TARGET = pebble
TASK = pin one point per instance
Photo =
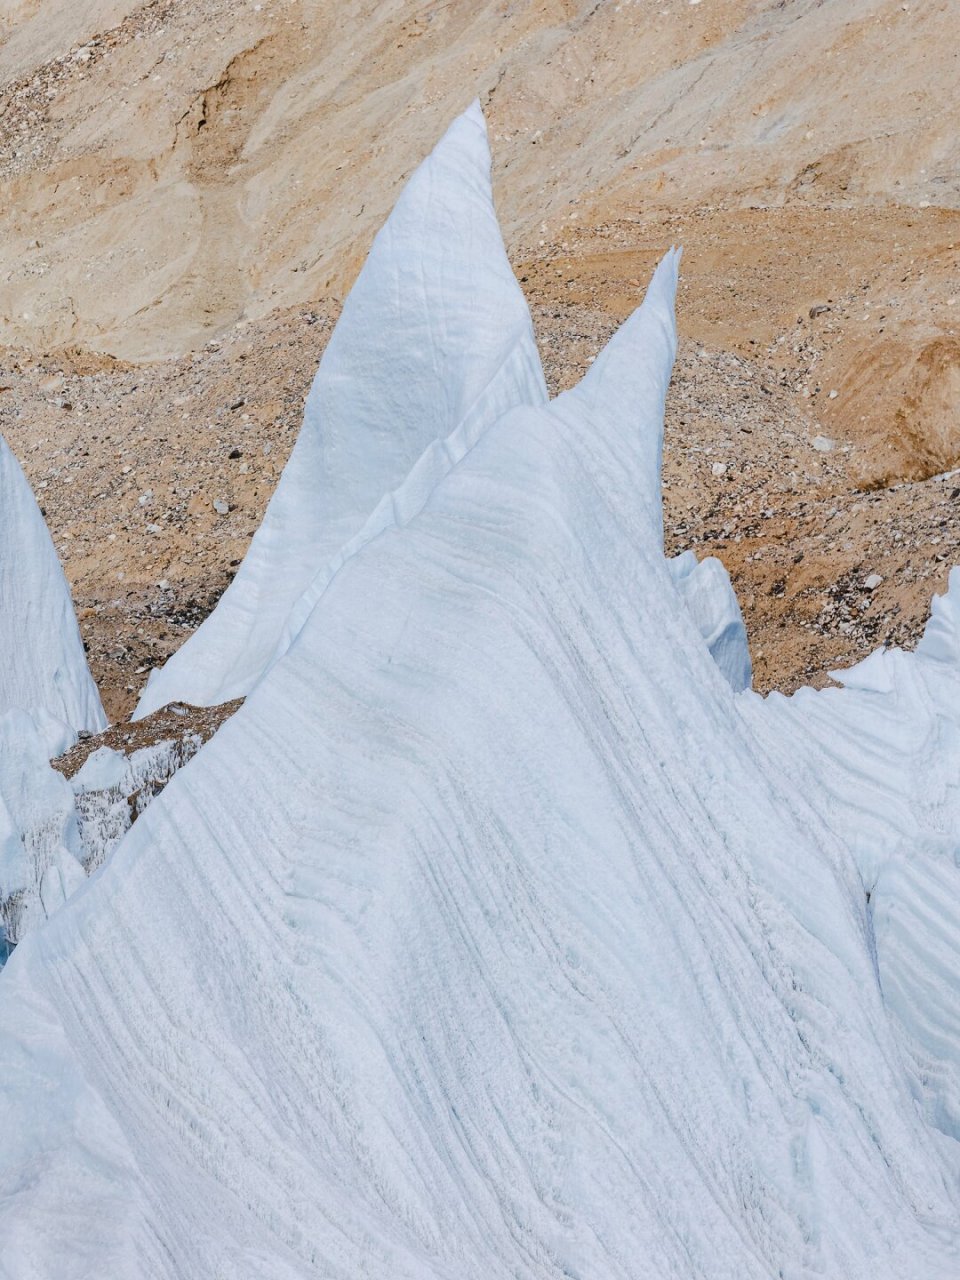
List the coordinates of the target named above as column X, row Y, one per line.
column 823, row 444
column 719, row 469
column 871, row 583
column 221, row 507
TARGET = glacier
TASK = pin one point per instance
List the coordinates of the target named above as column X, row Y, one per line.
column 504, row 930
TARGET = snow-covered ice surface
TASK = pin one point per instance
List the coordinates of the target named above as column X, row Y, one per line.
column 43, row 668
column 497, row 935
column 435, row 341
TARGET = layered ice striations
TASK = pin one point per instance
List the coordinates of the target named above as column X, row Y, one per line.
column 46, row 696
column 708, row 594
column 434, row 343
column 504, row 931
column 882, row 756
column 43, row 668
column 39, row 838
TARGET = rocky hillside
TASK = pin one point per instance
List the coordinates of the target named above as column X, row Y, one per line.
column 187, row 191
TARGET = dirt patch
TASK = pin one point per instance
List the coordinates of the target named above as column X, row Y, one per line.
column 173, row 723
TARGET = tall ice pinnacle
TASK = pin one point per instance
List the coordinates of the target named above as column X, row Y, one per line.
column 43, row 668
column 435, row 335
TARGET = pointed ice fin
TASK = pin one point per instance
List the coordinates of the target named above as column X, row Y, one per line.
column 708, row 594
column 626, row 387
column 43, row 668
column 435, row 337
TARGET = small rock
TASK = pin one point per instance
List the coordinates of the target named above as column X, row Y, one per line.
column 871, row 583
column 163, row 584
column 145, row 498
column 234, row 453
column 238, row 403
column 719, row 469
column 84, row 735
column 823, row 444
column 267, row 448
column 153, row 528
column 818, row 310
column 221, row 507
column 833, row 395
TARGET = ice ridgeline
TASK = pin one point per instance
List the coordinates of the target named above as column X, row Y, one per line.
column 498, row 934
column 53, row 832
column 46, row 696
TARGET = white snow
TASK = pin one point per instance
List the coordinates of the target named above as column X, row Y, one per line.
column 496, row 934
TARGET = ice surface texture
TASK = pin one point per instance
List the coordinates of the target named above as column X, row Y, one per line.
column 43, row 668
column 46, row 695
column 40, row 848
column 435, row 338
column 496, row 935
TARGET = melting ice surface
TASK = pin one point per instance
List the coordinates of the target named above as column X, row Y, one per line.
column 512, row 939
